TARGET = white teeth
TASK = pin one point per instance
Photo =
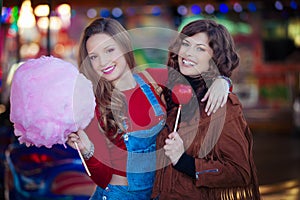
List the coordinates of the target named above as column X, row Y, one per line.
column 107, row 69
column 188, row 62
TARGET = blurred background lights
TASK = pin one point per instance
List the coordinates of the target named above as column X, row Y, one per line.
column 209, row 9
column 237, row 7
column 130, row 11
column 104, row 12
column 29, row 50
column 196, row 10
column 117, row 12
column 42, row 10
column 64, row 9
column 182, row 10
column 156, row 11
column 55, row 23
column 91, row 13
column 59, row 49
column 5, row 14
column 64, row 12
column 278, row 5
column 223, row 8
column 293, row 5
column 252, row 7
column 27, row 18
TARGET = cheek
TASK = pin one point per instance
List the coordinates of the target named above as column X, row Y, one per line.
column 94, row 66
column 205, row 63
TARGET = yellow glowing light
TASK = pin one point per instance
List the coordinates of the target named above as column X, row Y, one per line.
column 29, row 50
column 2, row 108
column 42, row 23
column 59, row 49
column 55, row 23
column 64, row 9
column 42, row 10
column 27, row 18
column 297, row 41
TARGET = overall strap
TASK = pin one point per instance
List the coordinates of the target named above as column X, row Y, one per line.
column 149, row 94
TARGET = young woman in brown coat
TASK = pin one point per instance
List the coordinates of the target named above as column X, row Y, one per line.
column 208, row 157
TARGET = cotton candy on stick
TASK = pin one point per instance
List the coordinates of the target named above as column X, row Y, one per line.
column 49, row 100
column 182, row 94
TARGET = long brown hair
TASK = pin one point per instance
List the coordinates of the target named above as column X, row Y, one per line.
column 110, row 100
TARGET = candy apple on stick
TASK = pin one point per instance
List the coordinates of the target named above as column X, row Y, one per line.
column 182, row 94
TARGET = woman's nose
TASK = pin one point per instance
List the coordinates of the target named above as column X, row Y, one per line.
column 189, row 51
column 102, row 61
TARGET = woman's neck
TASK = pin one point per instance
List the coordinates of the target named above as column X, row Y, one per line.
column 126, row 82
column 198, row 84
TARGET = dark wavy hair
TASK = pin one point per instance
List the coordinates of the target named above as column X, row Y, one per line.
column 224, row 59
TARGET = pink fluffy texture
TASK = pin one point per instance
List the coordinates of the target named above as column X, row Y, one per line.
column 49, row 100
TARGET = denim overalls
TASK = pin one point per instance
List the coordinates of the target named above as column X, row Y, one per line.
column 141, row 159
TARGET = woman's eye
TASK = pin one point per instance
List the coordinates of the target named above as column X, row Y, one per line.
column 110, row 50
column 92, row 57
column 184, row 44
column 200, row 49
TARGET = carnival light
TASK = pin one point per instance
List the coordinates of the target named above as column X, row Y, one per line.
column 237, row 7
column 278, row 5
column 209, row 9
column 91, row 13
column 294, row 5
column 27, row 18
column 55, row 23
column 196, row 10
column 64, row 12
column 156, row 11
column 252, row 7
column 223, row 8
column 104, row 12
column 117, row 12
column 42, row 10
column 182, row 10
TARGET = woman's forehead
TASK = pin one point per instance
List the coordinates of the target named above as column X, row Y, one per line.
column 100, row 40
column 199, row 39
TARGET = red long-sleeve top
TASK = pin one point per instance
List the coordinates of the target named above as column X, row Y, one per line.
column 111, row 158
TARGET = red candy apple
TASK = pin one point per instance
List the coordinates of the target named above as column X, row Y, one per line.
column 182, row 93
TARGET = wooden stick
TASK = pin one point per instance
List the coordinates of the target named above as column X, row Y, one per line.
column 82, row 159
column 177, row 118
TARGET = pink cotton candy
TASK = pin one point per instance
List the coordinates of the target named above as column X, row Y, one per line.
column 49, row 100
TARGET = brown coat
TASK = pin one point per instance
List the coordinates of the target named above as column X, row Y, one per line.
column 222, row 147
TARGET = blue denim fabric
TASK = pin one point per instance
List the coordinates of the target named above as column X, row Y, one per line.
column 149, row 94
column 141, row 146
column 141, row 160
column 120, row 192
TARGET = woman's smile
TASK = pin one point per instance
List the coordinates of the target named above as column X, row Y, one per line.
column 109, row 69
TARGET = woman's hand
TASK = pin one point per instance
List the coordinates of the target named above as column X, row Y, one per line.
column 82, row 141
column 217, row 95
column 174, row 147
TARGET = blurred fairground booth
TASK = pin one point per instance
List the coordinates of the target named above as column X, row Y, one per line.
column 267, row 34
